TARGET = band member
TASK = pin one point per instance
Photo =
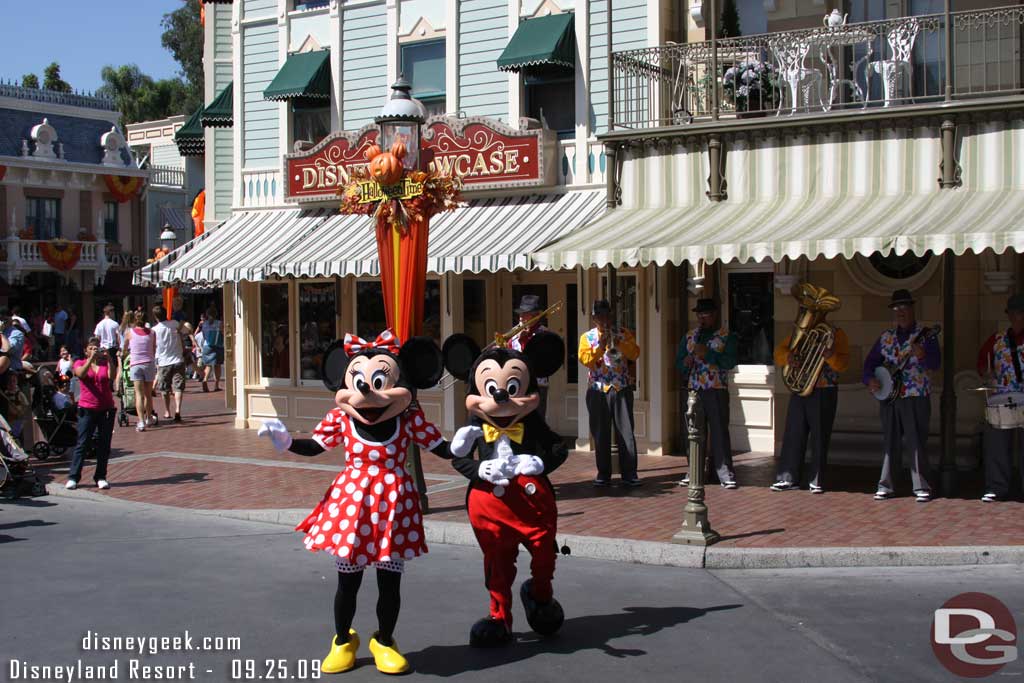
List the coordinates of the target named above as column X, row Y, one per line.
column 608, row 354
column 908, row 415
column 527, row 310
column 811, row 415
column 705, row 355
column 1002, row 357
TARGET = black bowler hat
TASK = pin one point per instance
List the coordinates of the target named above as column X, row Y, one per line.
column 901, row 297
column 1015, row 304
column 528, row 304
column 601, row 307
column 705, row 306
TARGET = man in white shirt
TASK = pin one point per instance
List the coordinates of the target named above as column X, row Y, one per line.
column 170, row 362
column 109, row 333
column 60, row 326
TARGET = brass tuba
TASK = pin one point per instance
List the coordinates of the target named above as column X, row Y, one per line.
column 811, row 337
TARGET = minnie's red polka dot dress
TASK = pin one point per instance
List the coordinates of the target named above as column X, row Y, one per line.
column 371, row 513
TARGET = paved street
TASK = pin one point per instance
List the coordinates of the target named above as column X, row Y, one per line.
column 116, row 569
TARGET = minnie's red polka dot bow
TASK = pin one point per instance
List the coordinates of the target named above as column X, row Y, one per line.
column 385, row 340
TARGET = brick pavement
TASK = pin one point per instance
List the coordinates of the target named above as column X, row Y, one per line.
column 156, row 467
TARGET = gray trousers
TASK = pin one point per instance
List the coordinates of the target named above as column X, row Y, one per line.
column 809, row 418
column 715, row 403
column 605, row 408
column 999, row 460
column 905, row 418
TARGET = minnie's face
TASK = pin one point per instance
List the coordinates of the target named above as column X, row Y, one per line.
column 371, row 393
column 503, row 397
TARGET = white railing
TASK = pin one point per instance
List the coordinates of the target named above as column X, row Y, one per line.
column 25, row 256
column 261, row 187
column 167, row 176
column 580, row 168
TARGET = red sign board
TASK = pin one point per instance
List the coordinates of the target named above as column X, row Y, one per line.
column 485, row 153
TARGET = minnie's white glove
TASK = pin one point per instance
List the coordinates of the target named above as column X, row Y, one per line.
column 493, row 471
column 277, row 432
column 530, row 465
column 462, row 443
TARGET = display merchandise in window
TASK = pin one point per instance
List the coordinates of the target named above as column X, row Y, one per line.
column 317, row 326
column 371, row 318
column 274, row 331
column 752, row 316
column 474, row 311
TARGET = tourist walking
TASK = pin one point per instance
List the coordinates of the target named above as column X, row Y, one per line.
column 141, row 346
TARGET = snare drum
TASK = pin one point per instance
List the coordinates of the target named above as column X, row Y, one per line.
column 1005, row 411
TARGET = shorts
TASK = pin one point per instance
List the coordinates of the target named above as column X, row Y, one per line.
column 142, row 373
column 170, row 378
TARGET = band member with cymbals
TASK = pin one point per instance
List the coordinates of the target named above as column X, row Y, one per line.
column 907, row 416
column 1002, row 358
column 705, row 356
column 811, row 416
column 528, row 311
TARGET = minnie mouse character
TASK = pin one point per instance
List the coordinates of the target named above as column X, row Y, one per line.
column 370, row 515
column 510, row 501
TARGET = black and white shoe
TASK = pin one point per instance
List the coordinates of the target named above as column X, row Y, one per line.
column 730, row 484
column 783, row 486
column 685, row 481
column 923, row 496
column 989, row 498
column 882, row 494
column 816, row 489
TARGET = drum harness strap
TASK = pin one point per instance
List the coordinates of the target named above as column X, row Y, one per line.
column 1012, row 343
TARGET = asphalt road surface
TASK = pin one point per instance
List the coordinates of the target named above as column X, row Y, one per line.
column 79, row 570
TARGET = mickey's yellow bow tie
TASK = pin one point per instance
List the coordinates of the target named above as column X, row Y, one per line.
column 515, row 432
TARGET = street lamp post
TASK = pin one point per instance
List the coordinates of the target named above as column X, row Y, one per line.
column 169, row 241
column 401, row 120
column 696, row 527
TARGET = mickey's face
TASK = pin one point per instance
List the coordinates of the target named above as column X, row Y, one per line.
column 504, row 393
column 371, row 393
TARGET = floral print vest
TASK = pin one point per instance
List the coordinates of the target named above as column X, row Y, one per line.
column 702, row 375
column 915, row 377
column 1002, row 365
column 609, row 375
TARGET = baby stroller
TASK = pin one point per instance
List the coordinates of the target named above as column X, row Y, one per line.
column 126, row 393
column 17, row 477
column 55, row 414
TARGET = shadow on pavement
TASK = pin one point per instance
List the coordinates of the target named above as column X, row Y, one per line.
column 182, row 478
column 591, row 632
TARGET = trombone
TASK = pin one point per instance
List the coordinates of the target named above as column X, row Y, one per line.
column 502, row 339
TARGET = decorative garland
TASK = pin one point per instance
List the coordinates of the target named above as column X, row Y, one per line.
column 394, row 196
column 60, row 254
column 124, row 188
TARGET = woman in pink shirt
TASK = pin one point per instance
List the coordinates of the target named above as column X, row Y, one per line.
column 95, row 412
column 141, row 344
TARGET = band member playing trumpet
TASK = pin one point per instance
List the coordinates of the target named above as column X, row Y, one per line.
column 608, row 352
column 811, row 413
column 528, row 310
column 1001, row 358
column 705, row 355
column 908, row 415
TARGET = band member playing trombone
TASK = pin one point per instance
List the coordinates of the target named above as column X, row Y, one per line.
column 608, row 353
column 1001, row 358
column 705, row 356
column 528, row 311
column 908, row 413
column 812, row 407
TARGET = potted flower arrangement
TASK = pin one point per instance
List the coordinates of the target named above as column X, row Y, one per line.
column 86, row 236
column 752, row 87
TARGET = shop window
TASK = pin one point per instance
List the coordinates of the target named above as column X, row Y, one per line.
column 423, row 64
column 474, row 311
column 432, row 311
column 110, row 228
column 371, row 319
column 751, row 316
column 627, row 285
column 550, row 96
column 274, row 351
column 311, row 120
column 318, row 303
column 42, row 217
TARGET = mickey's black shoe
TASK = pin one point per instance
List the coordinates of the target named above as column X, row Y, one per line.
column 544, row 618
column 489, row 632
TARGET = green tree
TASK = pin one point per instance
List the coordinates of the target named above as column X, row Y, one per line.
column 52, row 79
column 30, row 81
column 138, row 97
column 729, row 24
column 183, row 36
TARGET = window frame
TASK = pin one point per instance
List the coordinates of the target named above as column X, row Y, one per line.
column 38, row 202
column 376, row 280
column 275, row 381
column 554, row 78
column 432, row 98
column 315, row 383
column 108, row 222
column 638, row 335
column 302, row 105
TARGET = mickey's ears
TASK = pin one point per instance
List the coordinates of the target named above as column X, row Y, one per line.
column 546, row 351
column 460, row 352
column 421, row 362
column 333, row 367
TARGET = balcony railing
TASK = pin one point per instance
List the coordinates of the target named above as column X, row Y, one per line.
column 167, row 176
column 817, row 71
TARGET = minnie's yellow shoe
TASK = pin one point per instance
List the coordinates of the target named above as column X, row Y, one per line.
column 341, row 657
column 387, row 658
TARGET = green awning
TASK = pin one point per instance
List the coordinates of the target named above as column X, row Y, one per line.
column 221, row 112
column 190, row 138
column 304, row 74
column 548, row 40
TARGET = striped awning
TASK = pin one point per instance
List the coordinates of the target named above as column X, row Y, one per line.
column 179, row 219
column 833, row 195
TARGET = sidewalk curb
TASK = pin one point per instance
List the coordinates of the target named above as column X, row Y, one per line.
column 648, row 552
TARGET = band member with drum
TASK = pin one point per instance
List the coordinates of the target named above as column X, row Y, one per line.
column 528, row 309
column 907, row 415
column 1002, row 357
column 811, row 416
column 705, row 356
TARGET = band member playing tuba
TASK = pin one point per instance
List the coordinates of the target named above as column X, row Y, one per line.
column 908, row 414
column 812, row 365
column 1002, row 357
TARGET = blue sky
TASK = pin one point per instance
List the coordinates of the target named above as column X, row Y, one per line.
column 84, row 36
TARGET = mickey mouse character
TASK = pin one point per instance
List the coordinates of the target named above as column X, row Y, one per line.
column 510, row 500
column 370, row 514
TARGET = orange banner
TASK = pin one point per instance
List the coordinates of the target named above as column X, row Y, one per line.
column 60, row 254
column 403, row 274
column 199, row 213
column 124, row 188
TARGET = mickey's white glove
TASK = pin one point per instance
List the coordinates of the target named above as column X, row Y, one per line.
column 277, row 432
column 493, row 471
column 462, row 442
column 530, row 465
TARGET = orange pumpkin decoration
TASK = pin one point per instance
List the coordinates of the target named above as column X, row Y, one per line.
column 398, row 149
column 371, row 152
column 386, row 168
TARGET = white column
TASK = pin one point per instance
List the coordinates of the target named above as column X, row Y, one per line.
column 451, row 56
column 452, row 322
column 582, row 21
column 515, row 95
column 238, row 103
column 394, row 10
column 583, row 324
column 284, row 131
column 654, row 350
column 337, row 45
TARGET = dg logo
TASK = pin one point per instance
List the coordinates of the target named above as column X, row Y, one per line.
column 974, row 635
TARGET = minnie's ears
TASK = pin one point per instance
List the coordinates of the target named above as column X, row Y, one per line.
column 460, row 352
column 546, row 351
column 333, row 366
column 421, row 362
